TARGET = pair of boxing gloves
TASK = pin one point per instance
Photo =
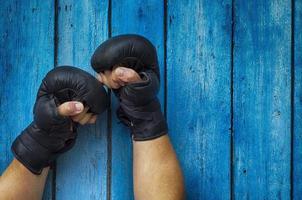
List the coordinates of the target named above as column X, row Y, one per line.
column 51, row 134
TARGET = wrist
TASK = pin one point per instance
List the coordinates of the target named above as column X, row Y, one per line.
column 18, row 166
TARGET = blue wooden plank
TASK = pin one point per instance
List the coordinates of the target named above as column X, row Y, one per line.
column 262, row 85
column 26, row 49
column 297, row 137
column 82, row 172
column 198, row 94
column 48, row 190
column 28, row 16
column 145, row 17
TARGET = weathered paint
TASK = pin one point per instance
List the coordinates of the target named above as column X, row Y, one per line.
column 27, row 53
column 262, row 99
column 228, row 90
column 297, row 115
column 198, row 95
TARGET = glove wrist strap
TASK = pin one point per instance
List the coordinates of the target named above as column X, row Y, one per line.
column 30, row 155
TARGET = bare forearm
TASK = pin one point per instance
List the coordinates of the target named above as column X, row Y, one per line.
column 17, row 182
column 157, row 174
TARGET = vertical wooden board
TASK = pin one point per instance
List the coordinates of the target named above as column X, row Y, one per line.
column 49, row 187
column 262, row 85
column 145, row 18
column 26, row 49
column 82, row 172
column 297, row 139
column 198, row 94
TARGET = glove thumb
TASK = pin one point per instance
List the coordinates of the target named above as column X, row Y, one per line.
column 70, row 108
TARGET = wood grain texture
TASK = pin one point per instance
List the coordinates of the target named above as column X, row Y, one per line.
column 27, row 50
column 262, row 84
column 297, row 137
column 82, row 172
column 199, row 86
column 145, row 18
column 198, row 96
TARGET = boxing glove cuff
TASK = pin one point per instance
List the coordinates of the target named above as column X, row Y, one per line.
column 29, row 152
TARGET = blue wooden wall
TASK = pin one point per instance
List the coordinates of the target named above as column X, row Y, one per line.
column 231, row 89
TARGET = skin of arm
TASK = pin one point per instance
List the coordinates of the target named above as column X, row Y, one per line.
column 156, row 170
column 17, row 182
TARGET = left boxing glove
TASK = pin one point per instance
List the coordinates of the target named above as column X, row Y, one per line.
column 50, row 134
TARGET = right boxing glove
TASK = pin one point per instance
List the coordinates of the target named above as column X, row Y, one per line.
column 50, row 134
column 140, row 108
column 130, row 50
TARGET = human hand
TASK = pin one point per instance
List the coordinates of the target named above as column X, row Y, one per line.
column 77, row 112
column 118, row 77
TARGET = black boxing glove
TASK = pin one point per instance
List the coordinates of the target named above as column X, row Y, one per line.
column 131, row 51
column 139, row 108
column 50, row 134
